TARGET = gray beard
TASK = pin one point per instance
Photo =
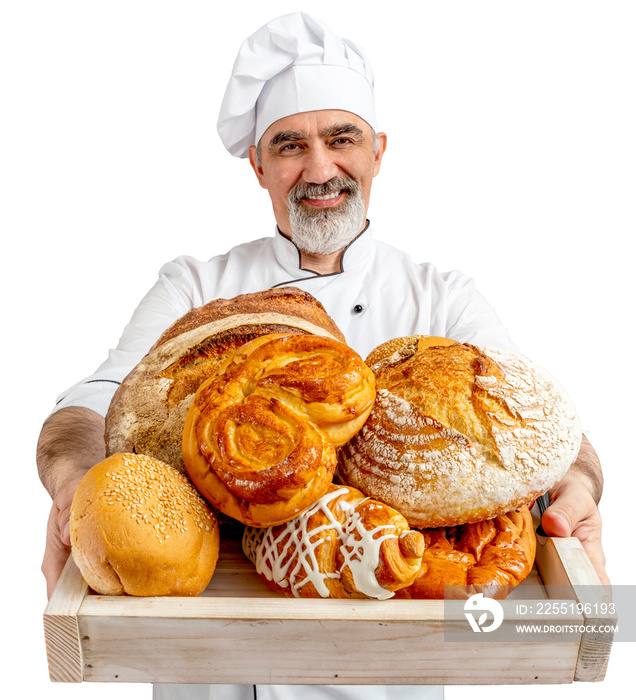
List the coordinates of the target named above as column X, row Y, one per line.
column 325, row 231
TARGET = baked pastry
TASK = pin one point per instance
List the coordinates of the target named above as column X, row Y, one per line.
column 460, row 434
column 344, row 546
column 259, row 439
column 489, row 557
column 148, row 410
column 139, row 527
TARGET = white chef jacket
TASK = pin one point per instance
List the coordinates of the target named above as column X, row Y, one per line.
column 297, row 692
column 379, row 294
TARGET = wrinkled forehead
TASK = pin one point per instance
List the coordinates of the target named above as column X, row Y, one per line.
column 320, row 123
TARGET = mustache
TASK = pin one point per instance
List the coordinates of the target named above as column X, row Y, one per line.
column 312, row 189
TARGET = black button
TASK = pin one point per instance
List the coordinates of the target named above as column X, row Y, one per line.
column 358, row 308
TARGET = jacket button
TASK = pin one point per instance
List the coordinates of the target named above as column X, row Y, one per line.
column 358, row 308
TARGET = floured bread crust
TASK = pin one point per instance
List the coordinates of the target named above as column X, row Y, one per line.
column 460, row 434
column 148, row 411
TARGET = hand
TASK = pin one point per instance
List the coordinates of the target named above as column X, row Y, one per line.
column 573, row 513
column 58, row 542
column 71, row 442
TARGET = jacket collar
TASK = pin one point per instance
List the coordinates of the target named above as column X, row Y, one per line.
column 354, row 255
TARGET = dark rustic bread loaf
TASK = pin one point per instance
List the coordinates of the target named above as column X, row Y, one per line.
column 148, row 411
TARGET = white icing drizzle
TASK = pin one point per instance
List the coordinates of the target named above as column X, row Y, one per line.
column 296, row 563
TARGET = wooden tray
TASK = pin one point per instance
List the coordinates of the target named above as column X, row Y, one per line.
column 238, row 631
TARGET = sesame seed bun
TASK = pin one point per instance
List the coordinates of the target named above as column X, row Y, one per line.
column 139, row 527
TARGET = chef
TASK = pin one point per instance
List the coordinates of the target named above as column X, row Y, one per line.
column 300, row 107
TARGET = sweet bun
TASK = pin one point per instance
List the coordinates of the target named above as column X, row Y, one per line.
column 148, row 410
column 344, row 546
column 460, row 433
column 260, row 438
column 139, row 527
column 490, row 557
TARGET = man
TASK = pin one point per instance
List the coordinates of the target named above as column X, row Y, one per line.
column 300, row 106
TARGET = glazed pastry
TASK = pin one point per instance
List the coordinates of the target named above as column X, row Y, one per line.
column 260, row 436
column 491, row 557
column 344, row 546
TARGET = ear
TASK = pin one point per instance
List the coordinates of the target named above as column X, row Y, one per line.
column 258, row 170
column 381, row 136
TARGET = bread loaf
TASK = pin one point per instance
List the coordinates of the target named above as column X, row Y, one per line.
column 490, row 557
column 139, row 527
column 344, row 546
column 148, row 411
column 460, row 434
column 260, row 436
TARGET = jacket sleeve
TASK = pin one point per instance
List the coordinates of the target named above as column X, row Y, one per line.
column 470, row 318
column 169, row 298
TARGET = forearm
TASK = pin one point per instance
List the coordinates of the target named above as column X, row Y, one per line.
column 70, row 443
column 587, row 467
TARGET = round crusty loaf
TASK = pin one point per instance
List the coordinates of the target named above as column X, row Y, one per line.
column 139, row 527
column 459, row 434
column 148, row 410
column 490, row 557
column 392, row 350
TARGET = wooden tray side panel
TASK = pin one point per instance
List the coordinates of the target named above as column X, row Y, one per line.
column 562, row 562
column 309, row 652
column 61, row 629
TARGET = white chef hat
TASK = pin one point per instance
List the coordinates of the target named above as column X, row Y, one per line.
column 294, row 63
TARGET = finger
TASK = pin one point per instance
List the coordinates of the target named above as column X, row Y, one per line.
column 555, row 524
column 55, row 556
column 52, row 566
column 66, row 533
column 63, row 520
column 571, row 504
column 56, row 551
column 589, row 534
column 574, row 514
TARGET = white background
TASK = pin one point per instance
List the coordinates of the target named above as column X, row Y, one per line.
column 511, row 156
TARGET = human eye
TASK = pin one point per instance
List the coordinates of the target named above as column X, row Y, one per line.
column 342, row 141
column 289, row 148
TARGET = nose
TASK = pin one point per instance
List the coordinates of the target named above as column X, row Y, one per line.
column 319, row 165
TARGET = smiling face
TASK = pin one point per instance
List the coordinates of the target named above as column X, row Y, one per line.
column 318, row 168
